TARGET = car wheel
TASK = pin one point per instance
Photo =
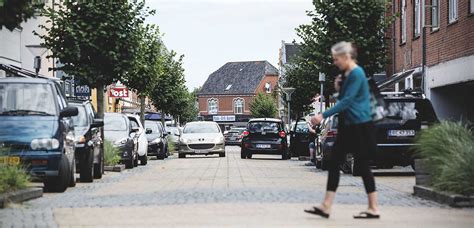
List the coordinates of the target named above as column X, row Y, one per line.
column 99, row 167
column 60, row 182
column 284, row 156
column 249, row 155
column 72, row 182
column 181, row 155
column 243, row 154
column 324, row 165
column 318, row 163
column 222, row 155
column 143, row 160
column 87, row 167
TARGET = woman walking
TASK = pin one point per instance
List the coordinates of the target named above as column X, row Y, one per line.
column 356, row 132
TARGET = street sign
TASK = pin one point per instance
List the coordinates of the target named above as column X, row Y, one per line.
column 82, row 91
column 118, row 92
column 223, row 118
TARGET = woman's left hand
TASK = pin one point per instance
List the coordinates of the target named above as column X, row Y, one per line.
column 317, row 119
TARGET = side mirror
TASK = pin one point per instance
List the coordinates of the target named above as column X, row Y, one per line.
column 177, row 134
column 97, row 123
column 148, row 131
column 68, row 112
column 135, row 130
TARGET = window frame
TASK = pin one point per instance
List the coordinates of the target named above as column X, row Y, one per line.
column 471, row 7
column 403, row 22
column 435, row 11
column 212, row 112
column 416, row 19
column 242, row 107
column 453, row 11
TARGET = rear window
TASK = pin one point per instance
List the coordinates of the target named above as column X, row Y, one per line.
column 302, row 127
column 264, row 126
column 420, row 110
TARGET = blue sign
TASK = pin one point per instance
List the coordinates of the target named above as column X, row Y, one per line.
column 82, row 90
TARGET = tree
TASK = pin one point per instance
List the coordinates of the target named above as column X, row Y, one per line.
column 147, row 64
column 95, row 41
column 263, row 106
column 189, row 110
column 14, row 12
column 333, row 21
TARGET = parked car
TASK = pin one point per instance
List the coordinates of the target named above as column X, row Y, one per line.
column 201, row 138
column 141, row 139
column 37, row 130
column 265, row 136
column 156, row 139
column 299, row 139
column 89, row 145
column 325, row 141
column 118, row 130
column 234, row 136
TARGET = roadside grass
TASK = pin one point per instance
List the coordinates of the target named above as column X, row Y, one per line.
column 171, row 148
column 111, row 154
column 448, row 149
column 12, row 178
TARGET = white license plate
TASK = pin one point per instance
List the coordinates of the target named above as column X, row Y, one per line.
column 263, row 146
column 401, row 133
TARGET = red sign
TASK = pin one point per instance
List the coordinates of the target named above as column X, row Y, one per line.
column 118, row 92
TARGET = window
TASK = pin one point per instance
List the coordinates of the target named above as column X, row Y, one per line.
column 238, row 106
column 471, row 9
column 453, row 11
column 212, row 107
column 417, row 18
column 268, row 87
column 403, row 22
column 434, row 14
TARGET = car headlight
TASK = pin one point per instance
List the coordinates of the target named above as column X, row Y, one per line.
column 44, row 144
column 185, row 141
column 121, row 142
column 219, row 140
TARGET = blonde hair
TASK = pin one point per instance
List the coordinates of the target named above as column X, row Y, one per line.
column 344, row 48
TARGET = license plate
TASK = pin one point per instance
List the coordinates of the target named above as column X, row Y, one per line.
column 263, row 146
column 232, row 138
column 10, row 160
column 200, row 152
column 401, row 133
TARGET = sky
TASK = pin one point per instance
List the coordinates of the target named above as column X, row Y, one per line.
column 211, row 33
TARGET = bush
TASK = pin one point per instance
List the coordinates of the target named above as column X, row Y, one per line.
column 111, row 154
column 264, row 106
column 448, row 149
column 171, row 147
column 12, row 178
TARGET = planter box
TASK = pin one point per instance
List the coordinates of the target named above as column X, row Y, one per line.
column 115, row 168
column 452, row 200
column 20, row 196
column 422, row 176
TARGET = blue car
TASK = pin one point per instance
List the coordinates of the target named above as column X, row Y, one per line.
column 36, row 130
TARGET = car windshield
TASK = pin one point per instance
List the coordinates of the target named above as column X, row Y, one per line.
column 237, row 130
column 81, row 119
column 269, row 127
column 302, row 127
column 201, row 128
column 153, row 126
column 115, row 123
column 27, row 99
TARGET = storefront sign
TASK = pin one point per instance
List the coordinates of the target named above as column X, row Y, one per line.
column 223, row 118
column 118, row 92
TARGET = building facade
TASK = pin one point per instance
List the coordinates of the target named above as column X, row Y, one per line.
column 449, row 51
column 227, row 94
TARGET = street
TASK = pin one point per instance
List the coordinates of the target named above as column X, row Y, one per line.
column 227, row 192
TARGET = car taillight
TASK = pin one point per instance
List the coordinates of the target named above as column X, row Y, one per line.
column 245, row 133
column 332, row 134
column 282, row 134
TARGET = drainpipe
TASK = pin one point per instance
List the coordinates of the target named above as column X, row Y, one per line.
column 394, row 41
column 423, row 62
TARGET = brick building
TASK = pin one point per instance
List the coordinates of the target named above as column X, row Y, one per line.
column 226, row 95
column 449, row 69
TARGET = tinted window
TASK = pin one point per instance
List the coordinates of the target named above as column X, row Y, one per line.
column 155, row 128
column 201, row 128
column 421, row 110
column 33, row 97
column 115, row 123
column 81, row 119
column 261, row 126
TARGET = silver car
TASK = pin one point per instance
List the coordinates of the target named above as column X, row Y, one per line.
column 201, row 138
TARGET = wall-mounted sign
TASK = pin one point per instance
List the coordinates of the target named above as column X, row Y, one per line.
column 118, row 92
column 223, row 118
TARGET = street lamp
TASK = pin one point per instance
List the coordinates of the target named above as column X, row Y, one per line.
column 37, row 51
column 322, row 78
column 288, row 91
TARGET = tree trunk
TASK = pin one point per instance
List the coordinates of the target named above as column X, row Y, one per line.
column 142, row 109
column 100, row 107
column 163, row 121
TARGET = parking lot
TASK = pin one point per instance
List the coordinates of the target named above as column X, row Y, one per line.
column 225, row 192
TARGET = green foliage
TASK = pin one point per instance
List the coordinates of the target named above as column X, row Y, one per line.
column 171, row 146
column 111, row 154
column 263, row 106
column 12, row 178
column 331, row 22
column 16, row 11
column 448, row 149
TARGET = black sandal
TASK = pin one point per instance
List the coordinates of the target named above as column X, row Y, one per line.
column 317, row 211
column 366, row 215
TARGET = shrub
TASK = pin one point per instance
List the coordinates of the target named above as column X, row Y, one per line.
column 111, row 154
column 13, row 177
column 171, row 147
column 448, row 149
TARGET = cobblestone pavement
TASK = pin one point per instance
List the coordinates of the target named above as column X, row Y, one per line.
column 227, row 192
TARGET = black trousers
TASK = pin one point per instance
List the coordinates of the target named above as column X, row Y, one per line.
column 360, row 140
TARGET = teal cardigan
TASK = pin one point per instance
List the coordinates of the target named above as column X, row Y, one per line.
column 354, row 99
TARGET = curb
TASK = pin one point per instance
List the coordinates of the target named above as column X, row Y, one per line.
column 20, row 196
column 115, row 168
column 452, row 200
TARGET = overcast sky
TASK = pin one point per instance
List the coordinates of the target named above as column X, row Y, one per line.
column 212, row 32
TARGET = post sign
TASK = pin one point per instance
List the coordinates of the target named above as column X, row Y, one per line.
column 223, row 118
column 82, row 91
column 118, row 92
